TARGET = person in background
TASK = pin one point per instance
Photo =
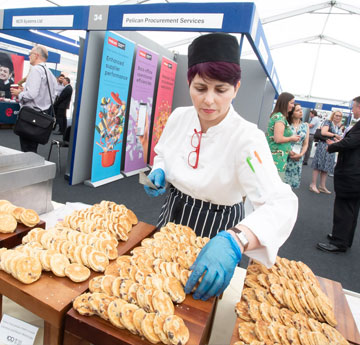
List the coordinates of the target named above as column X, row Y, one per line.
column 211, row 156
column 60, row 85
column 313, row 126
column 6, row 74
column 347, row 187
column 298, row 148
column 324, row 162
column 36, row 91
column 279, row 134
column 59, row 88
column 61, row 104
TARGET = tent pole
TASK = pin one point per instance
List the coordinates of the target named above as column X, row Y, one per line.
column 321, row 36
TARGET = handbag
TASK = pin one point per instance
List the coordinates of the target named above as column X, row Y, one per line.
column 35, row 124
column 319, row 137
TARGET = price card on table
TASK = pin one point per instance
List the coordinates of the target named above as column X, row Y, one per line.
column 16, row 332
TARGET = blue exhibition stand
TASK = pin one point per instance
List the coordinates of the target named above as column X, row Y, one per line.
column 238, row 18
column 8, row 112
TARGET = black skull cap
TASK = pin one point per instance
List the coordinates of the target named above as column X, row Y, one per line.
column 214, row 47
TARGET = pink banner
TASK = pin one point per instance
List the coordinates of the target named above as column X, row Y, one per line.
column 18, row 62
column 163, row 101
column 141, row 104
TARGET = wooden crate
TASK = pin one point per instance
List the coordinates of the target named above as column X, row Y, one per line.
column 51, row 297
column 346, row 323
column 196, row 314
column 14, row 239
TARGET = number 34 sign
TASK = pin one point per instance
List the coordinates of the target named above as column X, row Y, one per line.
column 16, row 332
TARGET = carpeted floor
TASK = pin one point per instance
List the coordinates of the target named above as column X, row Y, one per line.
column 313, row 223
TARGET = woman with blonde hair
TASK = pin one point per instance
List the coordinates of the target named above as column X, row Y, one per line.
column 324, row 162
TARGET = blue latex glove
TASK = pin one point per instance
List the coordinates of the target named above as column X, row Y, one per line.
column 218, row 258
column 157, row 177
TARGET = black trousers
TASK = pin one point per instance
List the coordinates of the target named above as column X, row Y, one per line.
column 308, row 151
column 205, row 218
column 27, row 145
column 61, row 119
column 346, row 211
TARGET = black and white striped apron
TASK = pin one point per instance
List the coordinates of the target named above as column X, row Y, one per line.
column 205, row 218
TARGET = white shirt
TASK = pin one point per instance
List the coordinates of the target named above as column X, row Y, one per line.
column 36, row 91
column 223, row 175
column 316, row 122
column 59, row 88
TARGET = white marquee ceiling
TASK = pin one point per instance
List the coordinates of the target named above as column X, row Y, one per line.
column 315, row 45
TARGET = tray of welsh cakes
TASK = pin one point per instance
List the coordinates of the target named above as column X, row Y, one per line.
column 84, row 241
column 142, row 293
column 285, row 305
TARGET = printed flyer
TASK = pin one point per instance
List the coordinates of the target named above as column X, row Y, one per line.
column 163, row 101
column 111, row 108
column 142, row 94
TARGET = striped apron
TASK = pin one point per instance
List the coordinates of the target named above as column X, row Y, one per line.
column 205, row 218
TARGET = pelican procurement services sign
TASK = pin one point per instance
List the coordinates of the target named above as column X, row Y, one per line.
column 174, row 20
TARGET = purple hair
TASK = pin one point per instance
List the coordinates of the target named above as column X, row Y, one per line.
column 226, row 72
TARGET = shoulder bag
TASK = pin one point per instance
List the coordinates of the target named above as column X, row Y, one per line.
column 35, row 124
column 319, row 137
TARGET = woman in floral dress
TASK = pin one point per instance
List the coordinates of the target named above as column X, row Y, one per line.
column 296, row 156
column 279, row 134
column 324, row 162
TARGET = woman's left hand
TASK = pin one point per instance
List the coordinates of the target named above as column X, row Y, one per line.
column 217, row 268
column 294, row 156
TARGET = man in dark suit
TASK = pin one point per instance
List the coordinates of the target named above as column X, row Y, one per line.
column 61, row 104
column 347, row 187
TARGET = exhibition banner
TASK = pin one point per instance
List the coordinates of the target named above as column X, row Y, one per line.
column 163, row 101
column 11, row 70
column 115, row 75
column 142, row 94
column 18, row 62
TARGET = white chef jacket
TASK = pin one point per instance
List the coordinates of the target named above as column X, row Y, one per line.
column 224, row 176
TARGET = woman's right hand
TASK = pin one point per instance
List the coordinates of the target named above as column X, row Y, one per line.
column 157, row 177
column 294, row 138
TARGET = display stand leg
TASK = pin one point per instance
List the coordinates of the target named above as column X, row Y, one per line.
column 52, row 334
column 71, row 339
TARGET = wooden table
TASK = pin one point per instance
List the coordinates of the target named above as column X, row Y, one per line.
column 14, row 239
column 51, row 297
column 346, row 323
column 197, row 316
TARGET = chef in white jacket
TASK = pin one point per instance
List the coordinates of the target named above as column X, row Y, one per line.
column 213, row 158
